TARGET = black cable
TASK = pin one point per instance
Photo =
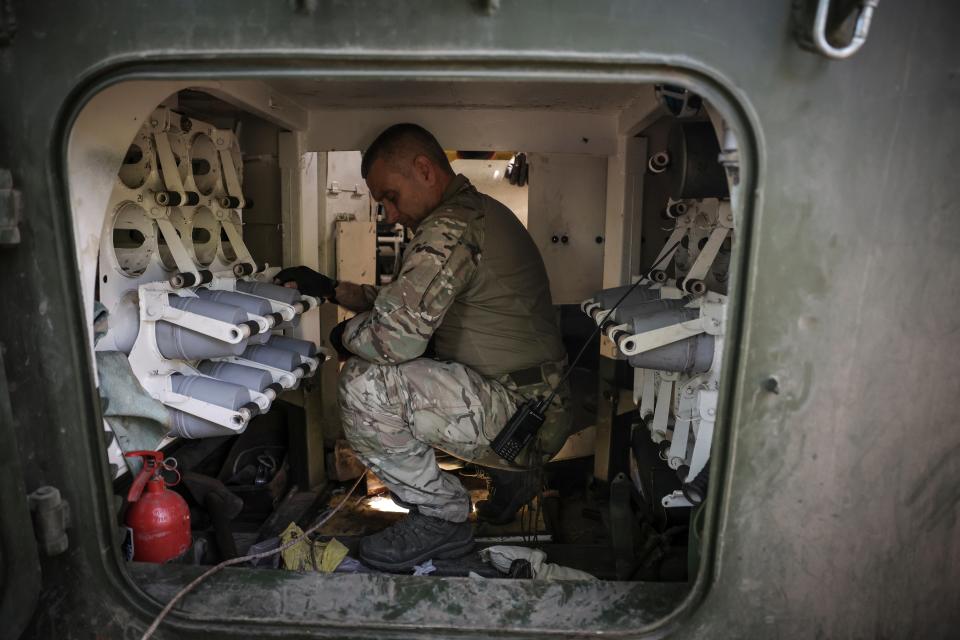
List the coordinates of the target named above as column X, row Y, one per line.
column 555, row 390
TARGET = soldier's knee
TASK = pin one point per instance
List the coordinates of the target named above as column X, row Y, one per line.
column 350, row 384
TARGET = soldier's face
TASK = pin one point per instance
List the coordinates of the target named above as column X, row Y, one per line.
column 408, row 193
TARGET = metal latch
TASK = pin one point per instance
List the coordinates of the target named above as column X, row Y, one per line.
column 335, row 189
column 51, row 519
column 10, row 208
column 812, row 34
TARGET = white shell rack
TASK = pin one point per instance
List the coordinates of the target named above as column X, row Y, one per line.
column 188, row 305
column 671, row 331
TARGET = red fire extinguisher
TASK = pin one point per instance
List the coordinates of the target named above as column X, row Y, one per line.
column 159, row 518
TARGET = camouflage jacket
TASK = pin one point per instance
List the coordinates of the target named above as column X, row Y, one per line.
column 438, row 263
column 472, row 279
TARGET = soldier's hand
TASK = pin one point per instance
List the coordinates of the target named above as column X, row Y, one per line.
column 308, row 281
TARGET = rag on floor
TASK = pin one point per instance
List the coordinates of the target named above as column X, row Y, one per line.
column 310, row 555
column 502, row 556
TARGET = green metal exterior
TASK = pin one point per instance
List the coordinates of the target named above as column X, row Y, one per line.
column 19, row 565
column 837, row 511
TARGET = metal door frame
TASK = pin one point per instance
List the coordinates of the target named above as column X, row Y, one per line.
column 512, row 67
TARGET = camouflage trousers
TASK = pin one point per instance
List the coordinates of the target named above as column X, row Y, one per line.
column 395, row 415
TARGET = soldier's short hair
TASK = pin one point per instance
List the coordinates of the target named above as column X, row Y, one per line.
column 405, row 139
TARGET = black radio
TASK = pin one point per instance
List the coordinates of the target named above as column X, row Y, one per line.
column 519, row 430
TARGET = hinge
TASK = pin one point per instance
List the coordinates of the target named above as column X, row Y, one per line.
column 51, row 519
column 9, row 209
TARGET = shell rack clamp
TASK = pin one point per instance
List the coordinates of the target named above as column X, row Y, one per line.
column 520, row 429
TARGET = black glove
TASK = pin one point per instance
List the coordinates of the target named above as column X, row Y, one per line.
column 309, row 282
column 336, row 340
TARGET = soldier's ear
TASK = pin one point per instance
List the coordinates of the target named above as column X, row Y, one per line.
column 424, row 170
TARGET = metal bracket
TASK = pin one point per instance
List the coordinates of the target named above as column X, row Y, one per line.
column 661, row 410
column 638, row 378
column 231, row 179
column 707, row 409
column 335, row 189
column 233, row 420
column 145, row 358
column 668, row 290
column 713, row 314
column 168, row 165
column 614, row 329
column 286, row 379
column 649, row 392
column 708, row 254
column 51, row 519
column 631, row 345
column 223, row 282
column 181, row 256
column 682, row 427
column 156, row 308
column 601, row 316
column 673, row 242
column 710, row 321
column 235, row 236
column 675, row 500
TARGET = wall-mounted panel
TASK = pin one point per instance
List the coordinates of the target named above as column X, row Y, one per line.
column 567, row 202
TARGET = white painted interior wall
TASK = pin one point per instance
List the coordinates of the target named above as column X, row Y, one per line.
column 567, row 198
column 543, row 130
column 344, row 197
column 488, row 177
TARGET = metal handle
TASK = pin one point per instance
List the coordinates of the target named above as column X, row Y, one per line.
column 153, row 465
column 860, row 31
column 151, row 461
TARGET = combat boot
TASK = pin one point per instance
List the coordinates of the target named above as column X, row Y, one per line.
column 415, row 539
column 509, row 491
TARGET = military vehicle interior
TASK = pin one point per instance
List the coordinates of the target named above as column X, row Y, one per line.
column 189, row 196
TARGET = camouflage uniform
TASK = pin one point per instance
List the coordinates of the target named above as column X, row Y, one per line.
column 397, row 406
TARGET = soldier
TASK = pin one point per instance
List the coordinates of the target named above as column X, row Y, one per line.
column 473, row 281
